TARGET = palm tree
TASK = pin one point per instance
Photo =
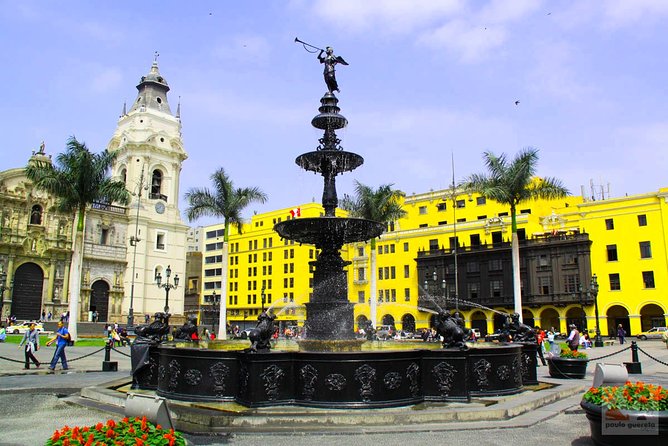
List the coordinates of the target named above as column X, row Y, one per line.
column 512, row 183
column 78, row 179
column 381, row 205
column 227, row 202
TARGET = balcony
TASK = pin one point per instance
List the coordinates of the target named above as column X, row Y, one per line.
column 153, row 196
column 108, row 208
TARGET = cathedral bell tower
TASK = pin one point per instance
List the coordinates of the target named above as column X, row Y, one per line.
column 150, row 156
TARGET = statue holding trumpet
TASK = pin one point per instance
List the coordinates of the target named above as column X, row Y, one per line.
column 326, row 56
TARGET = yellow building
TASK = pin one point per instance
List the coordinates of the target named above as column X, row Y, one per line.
column 563, row 243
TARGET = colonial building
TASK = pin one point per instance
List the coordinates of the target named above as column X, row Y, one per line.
column 124, row 248
column 448, row 235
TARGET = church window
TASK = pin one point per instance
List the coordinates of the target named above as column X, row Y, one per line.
column 36, row 215
column 124, row 176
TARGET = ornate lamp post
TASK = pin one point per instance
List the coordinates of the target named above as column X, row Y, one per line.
column 598, row 342
column 215, row 301
column 263, row 297
column 3, row 278
column 593, row 292
column 167, row 286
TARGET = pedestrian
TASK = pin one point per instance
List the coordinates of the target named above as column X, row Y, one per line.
column 61, row 338
column 49, row 315
column 43, row 316
column 621, row 333
column 31, row 342
column 3, row 333
column 147, row 318
column 540, row 338
column 574, row 338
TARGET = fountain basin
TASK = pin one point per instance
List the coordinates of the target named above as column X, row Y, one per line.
column 329, row 230
column 359, row 379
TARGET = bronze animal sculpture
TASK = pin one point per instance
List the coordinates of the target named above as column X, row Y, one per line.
column 450, row 330
column 185, row 332
column 260, row 336
column 520, row 332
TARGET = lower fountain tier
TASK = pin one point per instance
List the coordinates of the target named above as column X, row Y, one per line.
column 332, row 161
column 365, row 379
column 329, row 231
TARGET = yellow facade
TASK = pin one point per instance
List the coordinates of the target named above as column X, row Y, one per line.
column 260, row 259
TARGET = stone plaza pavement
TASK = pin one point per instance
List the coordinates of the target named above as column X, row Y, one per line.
column 34, row 403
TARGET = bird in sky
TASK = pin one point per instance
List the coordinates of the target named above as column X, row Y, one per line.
column 517, row 102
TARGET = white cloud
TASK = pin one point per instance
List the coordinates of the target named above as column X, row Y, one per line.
column 471, row 43
column 395, row 16
column 620, row 13
column 553, row 72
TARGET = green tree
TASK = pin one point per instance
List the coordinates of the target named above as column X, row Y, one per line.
column 226, row 202
column 382, row 205
column 511, row 183
column 78, row 179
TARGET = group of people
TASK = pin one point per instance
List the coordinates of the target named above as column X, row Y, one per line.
column 31, row 345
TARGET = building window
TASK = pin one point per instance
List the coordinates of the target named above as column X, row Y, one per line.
column 480, row 201
column 496, row 288
column 156, row 183
column 472, row 267
column 495, row 265
column 440, row 207
column 473, row 290
column 360, row 297
column 642, row 220
column 36, row 215
column 609, row 224
column 648, row 279
column 645, row 250
column 360, row 274
column 360, row 251
column 545, row 285
column 393, row 272
column 380, row 273
column 104, row 236
column 461, row 204
column 405, row 246
column 612, row 253
column 475, row 240
column 407, row 271
column 615, row 284
column 571, row 283
column 407, row 294
column 422, row 210
column 160, row 241
column 525, row 211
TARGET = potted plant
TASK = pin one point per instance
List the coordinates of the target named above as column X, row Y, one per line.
column 569, row 364
column 128, row 431
column 635, row 413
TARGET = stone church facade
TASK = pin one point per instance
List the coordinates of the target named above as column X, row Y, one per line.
column 145, row 238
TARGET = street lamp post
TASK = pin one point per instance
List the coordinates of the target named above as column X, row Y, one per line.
column 593, row 292
column 598, row 342
column 263, row 297
column 3, row 279
column 167, row 286
column 215, row 299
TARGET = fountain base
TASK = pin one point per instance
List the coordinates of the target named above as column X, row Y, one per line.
column 342, row 379
column 319, row 345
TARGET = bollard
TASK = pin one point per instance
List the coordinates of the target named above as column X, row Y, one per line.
column 634, row 367
column 108, row 365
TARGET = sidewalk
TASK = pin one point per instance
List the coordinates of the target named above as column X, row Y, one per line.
column 79, row 359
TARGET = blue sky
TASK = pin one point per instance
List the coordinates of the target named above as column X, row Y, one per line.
column 426, row 80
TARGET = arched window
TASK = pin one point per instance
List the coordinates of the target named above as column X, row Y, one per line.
column 124, row 176
column 156, row 184
column 36, row 215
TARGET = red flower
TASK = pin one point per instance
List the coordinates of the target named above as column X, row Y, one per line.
column 110, row 433
column 99, row 427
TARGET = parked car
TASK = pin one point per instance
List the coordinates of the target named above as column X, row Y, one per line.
column 652, row 333
column 22, row 327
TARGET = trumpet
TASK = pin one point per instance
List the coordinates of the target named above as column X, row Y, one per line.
column 307, row 44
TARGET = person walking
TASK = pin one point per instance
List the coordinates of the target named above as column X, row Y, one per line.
column 621, row 333
column 3, row 333
column 31, row 342
column 574, row 338
column 61, row 338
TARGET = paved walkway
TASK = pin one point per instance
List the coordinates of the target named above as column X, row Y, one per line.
column 32, row 407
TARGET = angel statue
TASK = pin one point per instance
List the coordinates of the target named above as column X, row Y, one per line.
column 330, row 61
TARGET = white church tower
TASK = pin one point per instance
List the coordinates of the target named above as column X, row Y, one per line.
column 148, row 139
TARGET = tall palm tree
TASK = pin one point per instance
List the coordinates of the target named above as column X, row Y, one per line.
column 78, row 179
column 512, row 183
column 227, row 202
column 382, row 205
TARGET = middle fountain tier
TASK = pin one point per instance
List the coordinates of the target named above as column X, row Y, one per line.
column 329, row 313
